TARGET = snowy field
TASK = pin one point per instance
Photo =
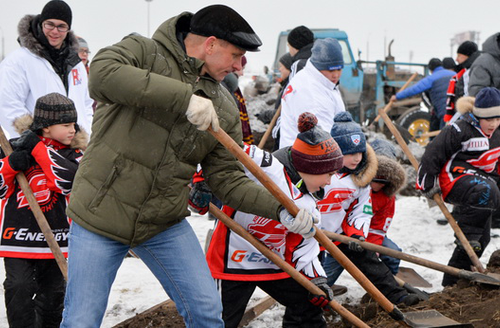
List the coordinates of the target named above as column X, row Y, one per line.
column 414, row 229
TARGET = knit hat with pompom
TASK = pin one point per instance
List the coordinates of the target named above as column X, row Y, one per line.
column 314, row 151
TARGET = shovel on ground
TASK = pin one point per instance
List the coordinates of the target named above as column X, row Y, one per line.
column 408, row 319
column 437, row 198
column 285, row 266
column 37, row 211
column 489, row 278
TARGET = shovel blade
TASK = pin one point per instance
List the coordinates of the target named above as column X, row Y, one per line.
column 431, row 318
column 483, row 278
column 412, row 277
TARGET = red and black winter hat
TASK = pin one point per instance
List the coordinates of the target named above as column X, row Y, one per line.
column 52, row 109
column 226, row 24
column 314, row 151
column 57, row 9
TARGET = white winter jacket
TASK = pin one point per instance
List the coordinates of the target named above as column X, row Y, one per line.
column 25, row 76
column 309, row 91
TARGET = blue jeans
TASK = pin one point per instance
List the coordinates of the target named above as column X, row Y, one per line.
column 175, row 258
column 391, row 262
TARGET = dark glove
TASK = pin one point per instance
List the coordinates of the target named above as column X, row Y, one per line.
column 321, row 300
column 21, row 160
column 27, row 141
column 355, row 246
column 428, row 184
column 200, row 197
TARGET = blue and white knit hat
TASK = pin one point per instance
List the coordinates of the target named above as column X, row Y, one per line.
column 327, row 55
column 348, row 134
column 487, row 103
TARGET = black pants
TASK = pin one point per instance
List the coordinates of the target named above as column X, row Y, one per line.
column 34, row 293
column 376, row 271
column 299, row 311
column 475, row 198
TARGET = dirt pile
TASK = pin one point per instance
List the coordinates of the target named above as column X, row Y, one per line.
column 466, row 302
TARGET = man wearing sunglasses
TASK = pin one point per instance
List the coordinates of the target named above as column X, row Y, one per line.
column 46, row 62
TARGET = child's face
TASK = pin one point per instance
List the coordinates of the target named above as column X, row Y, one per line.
column 316, row 181
column 333, row 76
column 377, row 186
column 63, row 133
column 351, row 161
column 489, row 125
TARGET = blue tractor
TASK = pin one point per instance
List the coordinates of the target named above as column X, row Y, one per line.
column 367, row 86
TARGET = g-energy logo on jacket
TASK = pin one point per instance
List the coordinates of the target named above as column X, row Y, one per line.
column 240, row 256
column 333, row 200
column 476, row 144
column 26, row 235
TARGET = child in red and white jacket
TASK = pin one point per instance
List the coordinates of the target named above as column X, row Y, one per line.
column 299, row 171
column 347, row 209
column 390, row 178
column 48, row 152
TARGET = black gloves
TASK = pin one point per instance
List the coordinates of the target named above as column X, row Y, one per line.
column 200, row 197
column 354, row 246
column 428, row 184
column 21, row 160
column 27, row 141
column 321, row 300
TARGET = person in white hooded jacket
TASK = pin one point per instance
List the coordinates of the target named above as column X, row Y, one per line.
column 314, row 89
column 46, row 62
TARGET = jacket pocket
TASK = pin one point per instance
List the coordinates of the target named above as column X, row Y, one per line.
column 103, row 190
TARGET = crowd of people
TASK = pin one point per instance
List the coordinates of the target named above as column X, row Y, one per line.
column 111, row 150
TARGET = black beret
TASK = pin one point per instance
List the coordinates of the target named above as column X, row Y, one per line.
column 226, row 24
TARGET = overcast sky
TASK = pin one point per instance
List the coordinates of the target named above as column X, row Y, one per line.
column 422, row 27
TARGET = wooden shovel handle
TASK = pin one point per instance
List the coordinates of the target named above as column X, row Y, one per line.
column 437, row 198
column 389, row 105
column 394, row 253
column 37, row 211
column 290, row 206
column 266, row 135
column 285, row 266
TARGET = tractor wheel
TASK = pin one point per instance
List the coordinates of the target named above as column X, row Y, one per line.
column 417, row 123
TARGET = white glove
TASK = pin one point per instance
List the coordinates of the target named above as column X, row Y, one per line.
column 201, row 112
column 302, row 224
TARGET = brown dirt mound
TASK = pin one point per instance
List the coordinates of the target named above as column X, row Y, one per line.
column 466, row 302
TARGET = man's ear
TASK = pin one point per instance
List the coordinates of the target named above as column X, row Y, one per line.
column 210, row 43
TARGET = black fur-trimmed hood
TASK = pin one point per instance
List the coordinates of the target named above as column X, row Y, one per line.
column 23, row 123
column 28, row 40
column 392, row 171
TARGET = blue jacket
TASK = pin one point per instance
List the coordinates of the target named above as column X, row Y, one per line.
column 437, row 84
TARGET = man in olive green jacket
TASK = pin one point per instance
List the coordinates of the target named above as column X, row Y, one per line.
column 157, row 96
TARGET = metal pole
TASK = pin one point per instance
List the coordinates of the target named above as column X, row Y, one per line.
column 3, row 45
column 148, row 1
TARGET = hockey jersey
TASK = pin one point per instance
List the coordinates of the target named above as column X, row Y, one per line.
column 51, row 180
column 231, row 257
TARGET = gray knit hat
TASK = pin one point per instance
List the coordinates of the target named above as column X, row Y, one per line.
column 52, row 109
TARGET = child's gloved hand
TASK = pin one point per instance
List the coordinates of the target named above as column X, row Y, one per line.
column 21, row 160
column 321, row 300
column 354, row 246
column 200, row 197
column 428, row 184
column 27, row 141
column 303, row 223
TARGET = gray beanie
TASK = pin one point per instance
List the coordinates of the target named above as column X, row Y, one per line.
column 327, row 55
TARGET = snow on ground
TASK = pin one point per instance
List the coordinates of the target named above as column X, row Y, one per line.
column 414, row 229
